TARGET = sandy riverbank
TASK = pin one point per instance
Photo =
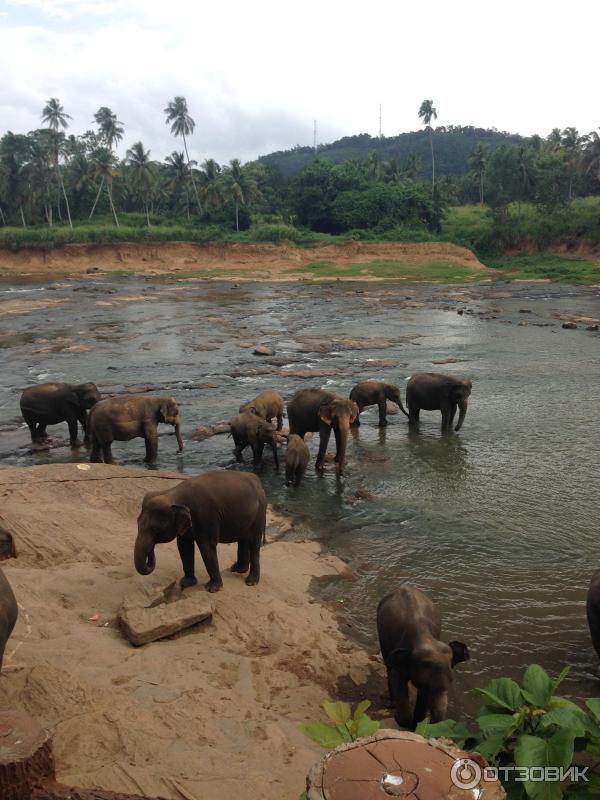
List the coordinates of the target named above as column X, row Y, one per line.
column 243, row 261
column 211, row 713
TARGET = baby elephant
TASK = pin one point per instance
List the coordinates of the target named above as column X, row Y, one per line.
column 51, row 403
column 432, row 392
column 409, row 627
column 248, row 429
column 123, row 418
column 266, row 405
column 8, row 613
column 370, row 393
column 219, row 506
column 296, row 460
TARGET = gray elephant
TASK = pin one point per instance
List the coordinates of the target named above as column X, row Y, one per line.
column 434, row 392
column 593, row 610
column 123, row 418
column 219, row 506
column 318, row 410
column 250, row 430
column 52, row 403
column 409, row 627
column 370, row 393
column 267, row 405
column 8, row 613
column 297, row 457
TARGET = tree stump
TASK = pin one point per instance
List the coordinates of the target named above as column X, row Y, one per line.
column 400, row 764
column 25, row 755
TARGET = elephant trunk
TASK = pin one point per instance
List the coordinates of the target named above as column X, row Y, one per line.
column 421, row 707
column 143, row 554
column 344, row 429
column 462, row 407
column 178, row 433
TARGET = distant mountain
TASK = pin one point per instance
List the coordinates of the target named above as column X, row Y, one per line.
column 452, row 147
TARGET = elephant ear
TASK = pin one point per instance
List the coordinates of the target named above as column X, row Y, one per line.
column 73, row 398
column 182, row 519
column 326, row 414
column 460, row 652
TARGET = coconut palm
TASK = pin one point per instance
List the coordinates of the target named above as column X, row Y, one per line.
column 571, row 143
column 15, row 153
column 212, row 184
column 142, row 174
column 111, row 132
column 104, row 165
column 591, row 155
column 427, row 112
column 374, row 166
column 182, row 125
column 53, row 114
column 241, row 184
column 177, row 178
column 40, row 169
column 478, row 160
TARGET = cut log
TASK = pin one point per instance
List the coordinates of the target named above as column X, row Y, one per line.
column 25, row 755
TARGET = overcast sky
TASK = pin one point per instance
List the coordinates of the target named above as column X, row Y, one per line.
column 256, row 74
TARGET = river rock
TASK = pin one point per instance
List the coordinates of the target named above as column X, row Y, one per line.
column 569, row 326
column 592, row 328
column 263, row 350
column 206, row 431
column 147, row 616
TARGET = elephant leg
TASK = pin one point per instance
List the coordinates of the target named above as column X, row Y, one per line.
column 421, row 708
column 254, row 576
column 208, row 551
column 243, row 557
column 185, row 545
column 72, row 423
column 275, row 456
column 41, row 432
column 82, row 417
column 95, row 456
column 257, row 452
column 151, row 442
column 382, row 404
column 107, row 453
column 325, row 433
column 413, row 415
column 452, row 414
column 356, row 423
column 239, row 448
column 338, row 442
column 445, row 409
column 31, row 424
column 279, row 421
column 399, row 689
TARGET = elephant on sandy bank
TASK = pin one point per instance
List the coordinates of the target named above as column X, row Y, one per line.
column 52, row 403
column 318, row 410
column 370, row 393
column 219, row 506
column 123, row 418
column 267, row 405
column 409, row 627
column 434, row 392
column 8, row 613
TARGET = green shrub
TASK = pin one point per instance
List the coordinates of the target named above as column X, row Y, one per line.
column 347, row 726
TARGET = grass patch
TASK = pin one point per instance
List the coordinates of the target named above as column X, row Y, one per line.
column 435, row 271
column 561, row 269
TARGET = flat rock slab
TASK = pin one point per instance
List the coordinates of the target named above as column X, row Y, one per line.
column 155, row 613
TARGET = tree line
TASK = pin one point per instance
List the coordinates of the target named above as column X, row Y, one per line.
column 49, row 176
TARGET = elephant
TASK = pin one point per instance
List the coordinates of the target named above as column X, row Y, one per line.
column 266, row 405
column 370, row 393
column 248, row 429
column 8, row 613
column 218, row 506
column 318, row 410
column 409, row 627
column 593, row 610
column 51, row 403
column 123, row 418
column 432, row 391
column 296, row 460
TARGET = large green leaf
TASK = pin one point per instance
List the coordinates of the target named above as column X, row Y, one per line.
column 572, row 719
column 557, row 681
column 490, row 724
column 367, row 726
column 502, row 693
column 594, row 706
column 448, row 729
column 490, row 746
column 337, row 712
column 324, row 735
column 533, row 751
column 537, row 686
column 358, row 717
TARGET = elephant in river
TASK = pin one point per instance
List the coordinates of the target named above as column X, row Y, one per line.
column 297, row 457
column 370, row 393
column 593, row 610
column 432, row 392
column 123, row 418
column 266, row 405
column 318, row 410
column 409, row 627
column 8, row 613
column 51, row 403
column 248, row 429
column 219, row 506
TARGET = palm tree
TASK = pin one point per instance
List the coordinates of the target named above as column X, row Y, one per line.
column 427, row 112
column 182, row 125
column 241, row 185
column 111, row 132
column 177, row 177
column 212, row 184
column 591, row 155
column 571, row 143
column 525, row 174
column 143, row 174
column 40, row 169
column 374, row 167
column 411, row 166
column 478, row 162
column 53, row 114
column 105, row 163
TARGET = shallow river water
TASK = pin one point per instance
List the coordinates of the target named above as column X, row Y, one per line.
column 499, row 523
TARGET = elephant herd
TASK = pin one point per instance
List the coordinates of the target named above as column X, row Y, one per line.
column 230, row 506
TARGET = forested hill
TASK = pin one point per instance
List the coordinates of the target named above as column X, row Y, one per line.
column 452, row 148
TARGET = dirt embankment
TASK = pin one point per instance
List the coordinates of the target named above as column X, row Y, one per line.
column 257, row 260
column 211, row 713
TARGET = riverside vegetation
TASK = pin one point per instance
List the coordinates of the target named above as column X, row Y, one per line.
column 493, row 192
